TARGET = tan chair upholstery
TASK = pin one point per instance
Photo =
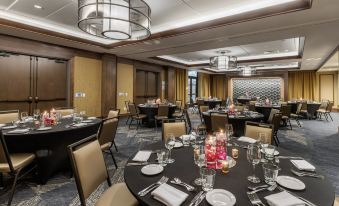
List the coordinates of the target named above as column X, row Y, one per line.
column 113, row 113
column 272, row 113
column 106, row 135
column 252, row 129
column 9, row 116
column 239, row 108
column 65, row 111
column 336, row 202
column 218, row 121
column 276, row 121
column 162, row 112
column 178, row 103
column 12, row 164
column 90, row 171
column 176, row 128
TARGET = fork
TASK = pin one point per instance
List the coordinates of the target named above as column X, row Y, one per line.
column 270, row 188
column 145, row 191
column 254, row 199
column 308, row 174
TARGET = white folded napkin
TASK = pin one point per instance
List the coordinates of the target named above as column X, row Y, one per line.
column 247, row 139
column 169, row 195
column 18, row 131
column 303, row 165
column 284, row 199
column 142, row 156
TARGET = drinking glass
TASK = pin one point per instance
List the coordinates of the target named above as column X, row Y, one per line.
column 36, row 114
column 200, row 160
column 229, row 133
column 185, row 140
column 24, row 116
column 169, row 144
column 253, row 157
column 193, row 139
column 208, row 179
column 162, row 157
column 269, row 152
column 262, row 138
column 270, row 173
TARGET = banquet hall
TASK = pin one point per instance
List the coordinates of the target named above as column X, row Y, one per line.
column 169, row 102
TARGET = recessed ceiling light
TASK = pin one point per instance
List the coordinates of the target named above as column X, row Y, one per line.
column 37, row 6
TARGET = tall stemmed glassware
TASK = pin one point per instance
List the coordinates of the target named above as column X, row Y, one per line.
column 24, row 116
column 169, row 144
column 36, row 114
column 200, row 160
column 253, row 156
column 229, row 133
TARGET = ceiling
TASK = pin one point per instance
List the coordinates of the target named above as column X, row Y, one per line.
column 332, row 64
column 319, row 26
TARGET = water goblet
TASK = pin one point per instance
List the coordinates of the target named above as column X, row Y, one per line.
column 169, row 144
column 200, row 160
column 253, row 156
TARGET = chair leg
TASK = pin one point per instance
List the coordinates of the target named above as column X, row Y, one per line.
column 326, row 116
column 115, row 146
column 129, row 126
column 330, row 116
column 156, row 125
column 13, row 187
column 115, row 163
column 289, row 121
column 128, row 117
column 1, row 181
column 297, row 120
column 138, row 123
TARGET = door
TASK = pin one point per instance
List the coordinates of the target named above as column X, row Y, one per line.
column 327, row 87
column 16, row 75
column 50, row 83
column 146, row 86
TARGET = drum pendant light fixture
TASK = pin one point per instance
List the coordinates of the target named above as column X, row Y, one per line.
column 115, row 19
column 223, row 62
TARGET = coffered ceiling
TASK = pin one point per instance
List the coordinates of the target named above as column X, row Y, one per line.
column 193, row 30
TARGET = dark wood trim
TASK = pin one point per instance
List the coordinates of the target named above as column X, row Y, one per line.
column 249, row 16
column 328, row 57
column 108, row 83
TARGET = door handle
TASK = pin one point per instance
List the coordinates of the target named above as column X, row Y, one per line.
column 36, row 99
column 30, row 99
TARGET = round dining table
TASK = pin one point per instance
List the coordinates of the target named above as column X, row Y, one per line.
column 50, row 146
column 318, row 191
column 211, row 103
column 238, row 121
column 150, row 110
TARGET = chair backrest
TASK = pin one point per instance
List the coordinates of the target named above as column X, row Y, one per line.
column 188, row 120
column 286, row 110
column 304, row 106
column 163, row 110
column 276, row 121
column 203, row 108
column 4, row 154
column 65, row 111
column 299, row 108
column 176, row 128
column 324, row 105
column 200, row 102
column 113, row 113
column 9, row 116
column 178, row 103
column 218, row 121
column 88, row 166
column 329, row 107
column 270, row 118
column 239, row 108
column 132, row 109
column 252, row 129
column 107, row 130
column 251, row 107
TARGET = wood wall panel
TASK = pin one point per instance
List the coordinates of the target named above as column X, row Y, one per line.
column 170, row 84
column 109, row 83
column 87, row 79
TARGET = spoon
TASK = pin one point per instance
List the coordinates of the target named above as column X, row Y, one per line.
column 270, row 188
column 177, row 181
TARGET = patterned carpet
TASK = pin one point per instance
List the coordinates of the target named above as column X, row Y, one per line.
column 316, row 141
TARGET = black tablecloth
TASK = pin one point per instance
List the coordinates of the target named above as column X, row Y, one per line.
column 238, row 122
column 151, row 111
column 318, row 191
column 50, row 146
column 212, row 103
column 311, row 108
column 266, row 110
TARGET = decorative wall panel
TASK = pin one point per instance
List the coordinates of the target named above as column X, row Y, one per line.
column 263, row 88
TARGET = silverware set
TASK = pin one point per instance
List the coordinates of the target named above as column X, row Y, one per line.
column 254, row 199
column 198, row 199
column 307, row 174
column 153, row 186
column 177, row 181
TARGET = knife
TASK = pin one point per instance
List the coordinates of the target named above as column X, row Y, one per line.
column 196, row 198
column 289, row 157
column 201, row 198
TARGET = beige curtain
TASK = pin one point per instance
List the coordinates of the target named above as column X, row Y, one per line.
column 302, row 84
column 204, row 85
column 181, row 80
column 218, row 87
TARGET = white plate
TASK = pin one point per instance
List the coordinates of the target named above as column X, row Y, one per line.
column 276, row 153
column 44, row 128
column 87, row 121
column 290, row 183
column 152, row 169
column 178, row 144
column 219, row 197
column 2, row 125
column 10, row 127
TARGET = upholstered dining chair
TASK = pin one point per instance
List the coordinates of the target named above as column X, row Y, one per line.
column 270, row 118
column 179, row 111
column 64, row 111
column 326, row 112
column 276, row 121
column 162, row 114
column 253, row 129
column 14, row 164
column 128, row 113
column 176, row 128
column 90, row 171
column 286, row 115
column 296, row 116
column 9, row 116
column 218, row 121
column 106, row 136
column 202, row 109
column 135, row 115
column 113, row 113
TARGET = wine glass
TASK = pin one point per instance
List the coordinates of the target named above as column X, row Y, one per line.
column 229, row 133
column 36, row 114
column 169, row 144
column 24, row 116
column 200, row 160
column 253, row 157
